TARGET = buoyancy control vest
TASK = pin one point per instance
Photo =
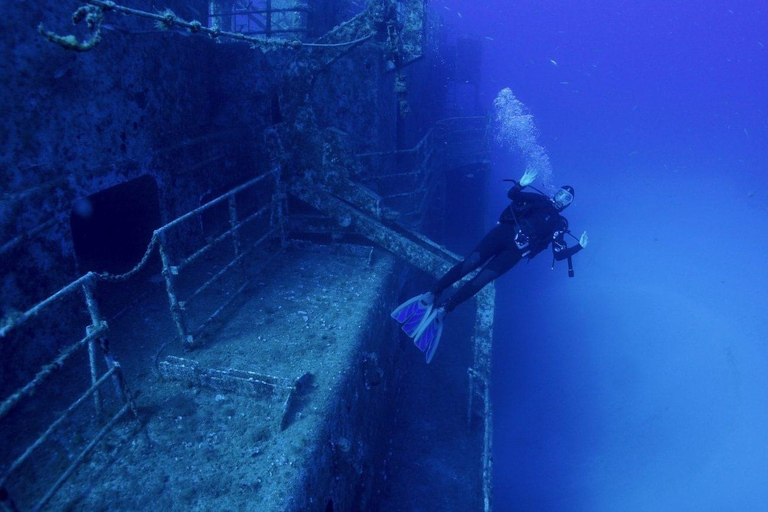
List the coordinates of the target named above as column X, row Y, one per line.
column 536, row 218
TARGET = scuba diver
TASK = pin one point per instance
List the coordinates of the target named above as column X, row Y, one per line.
column 525, row 228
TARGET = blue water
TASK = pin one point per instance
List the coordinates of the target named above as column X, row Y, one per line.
column 640, row 384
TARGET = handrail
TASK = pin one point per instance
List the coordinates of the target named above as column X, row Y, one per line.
column 97, row 331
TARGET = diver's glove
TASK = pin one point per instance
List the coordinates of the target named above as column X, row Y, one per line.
column 528, row 177
column 584, row 240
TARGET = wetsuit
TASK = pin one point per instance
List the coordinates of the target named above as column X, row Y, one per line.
column 525, row 228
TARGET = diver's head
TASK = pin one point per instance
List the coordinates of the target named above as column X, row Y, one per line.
column 563, row 197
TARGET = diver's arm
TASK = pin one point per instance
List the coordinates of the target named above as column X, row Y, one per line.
column 566, row 252
column 516, row 192
column 561, row 249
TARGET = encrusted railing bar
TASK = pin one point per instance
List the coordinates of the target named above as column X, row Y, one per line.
column 221, row 308
column 221, row 272
column 234, row 226
column 31, row 170
column 213, row 202
column 94, row 375
column 290, row 31
column 40, row 440
column 424, row 139
column 404, row 194
column 414, row 149
column 379, row 177
column 202, row 164
column 428, row 179
column 97, row 332
column 121, row 388
column 260, row 11
column 79, row 459
column 194, row 256
column 268, row 234
column 47, row 370
column 280, row 210
column 190, row 339
column 177, row 310
column 93, row 310
column 139, row 298
column 169, row 19
column 10, row 244
column 217, row 276
column 36, row 309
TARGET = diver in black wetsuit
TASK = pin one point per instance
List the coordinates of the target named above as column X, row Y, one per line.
column 525, row 228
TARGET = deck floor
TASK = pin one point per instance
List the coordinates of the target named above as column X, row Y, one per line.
column 202, row 450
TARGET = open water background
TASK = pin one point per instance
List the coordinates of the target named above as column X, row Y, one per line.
column 641, row 383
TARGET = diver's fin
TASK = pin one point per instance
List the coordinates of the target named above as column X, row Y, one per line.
column 413, row 312
column 428, row 336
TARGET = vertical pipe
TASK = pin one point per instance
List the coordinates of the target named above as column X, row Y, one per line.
column 233, row 224
column 202, row 224
column 93, row 310
column 94, row 371
column 471, row 395
column 96, row 320
column 177, row 308
column 278, row 213
column 236, row 241
column 215, row 12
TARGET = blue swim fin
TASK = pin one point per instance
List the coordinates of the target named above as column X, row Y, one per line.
column 412, row 313
column 428, row 336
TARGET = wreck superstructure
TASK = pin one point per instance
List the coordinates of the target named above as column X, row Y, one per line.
column 201, row 245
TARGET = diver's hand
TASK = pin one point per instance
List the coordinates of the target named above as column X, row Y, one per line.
column 584, row 240
column 528, row 177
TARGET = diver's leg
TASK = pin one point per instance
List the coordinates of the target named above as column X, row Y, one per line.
column 499, row 265
column 491, row 244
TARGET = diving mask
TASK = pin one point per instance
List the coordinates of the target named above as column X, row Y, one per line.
column 562, row 198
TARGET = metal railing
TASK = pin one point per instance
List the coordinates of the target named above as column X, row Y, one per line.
column 450, row 143
column 96, row 338
column 241, row 250
column 94, row 341
column 260, row 17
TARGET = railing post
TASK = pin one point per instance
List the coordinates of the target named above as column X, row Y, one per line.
column 269, row 18
column 93, row 310
column 471, row 374
column 278, row 209
column 177, row 308
column 121, row 388
column 236, row 241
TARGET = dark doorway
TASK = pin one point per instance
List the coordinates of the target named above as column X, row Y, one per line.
column 112, row 228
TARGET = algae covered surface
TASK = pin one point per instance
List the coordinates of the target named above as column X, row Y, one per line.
column 198, row 449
